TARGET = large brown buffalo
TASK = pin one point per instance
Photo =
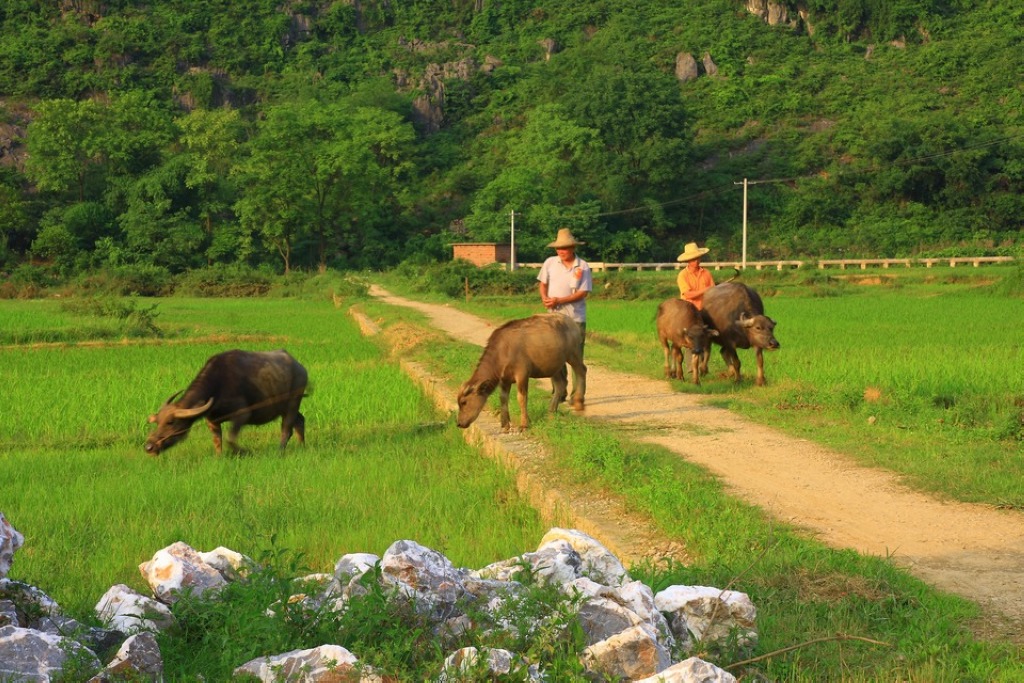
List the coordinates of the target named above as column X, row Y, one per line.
column 680, row 325
column 539, row 346
column 736, row 312
column 240, row 387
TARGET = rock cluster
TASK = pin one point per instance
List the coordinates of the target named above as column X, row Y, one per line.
column 688, row 68
column 631, row 633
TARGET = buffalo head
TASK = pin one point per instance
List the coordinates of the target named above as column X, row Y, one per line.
column 760, row 331
column 472, row 398
column 699, row 337
column 172, row 424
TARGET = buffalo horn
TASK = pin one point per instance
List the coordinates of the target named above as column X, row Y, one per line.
column 183, row 413
column 172, row 397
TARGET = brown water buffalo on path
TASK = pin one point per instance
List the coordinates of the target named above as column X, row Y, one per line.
column 736, row 311
column 240, row 387
column 680, row 326
column 539, row 346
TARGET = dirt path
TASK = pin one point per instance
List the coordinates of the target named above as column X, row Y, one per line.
column 970, row 550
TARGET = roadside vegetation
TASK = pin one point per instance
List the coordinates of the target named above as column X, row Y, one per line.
column 382, row 463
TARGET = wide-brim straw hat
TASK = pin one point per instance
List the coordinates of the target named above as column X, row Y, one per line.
column 565, row 239
column 692, row 251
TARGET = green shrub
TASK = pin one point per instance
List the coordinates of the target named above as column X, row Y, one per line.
column 224, row 281
column 459, row 277
column 128, row 280
column 28, row 281
column 331, row 285
column 133, row 320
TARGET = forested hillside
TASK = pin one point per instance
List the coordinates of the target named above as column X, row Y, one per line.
column 288, row 134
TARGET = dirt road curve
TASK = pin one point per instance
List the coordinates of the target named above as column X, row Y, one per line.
column 971, row 550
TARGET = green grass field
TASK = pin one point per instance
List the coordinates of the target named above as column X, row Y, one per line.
column 382, row 463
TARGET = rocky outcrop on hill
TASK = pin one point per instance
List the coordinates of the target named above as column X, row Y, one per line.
column 688, row 68
column 632, row 634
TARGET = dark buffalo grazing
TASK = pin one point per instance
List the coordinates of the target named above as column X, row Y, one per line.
column 240, row 387
column 736, row 312
column 539, row 346
column 680, row 325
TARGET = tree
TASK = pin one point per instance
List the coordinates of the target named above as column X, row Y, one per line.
column 158, row 224
column 546, row 178
column 209, row 144
column 65, row 145
column 323, row 173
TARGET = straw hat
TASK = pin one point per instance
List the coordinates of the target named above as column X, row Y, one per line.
column 692, row 251
column 565, row 240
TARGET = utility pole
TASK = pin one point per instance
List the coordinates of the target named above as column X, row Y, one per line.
column 754, row 182
column 743, row 263
column 512, row 246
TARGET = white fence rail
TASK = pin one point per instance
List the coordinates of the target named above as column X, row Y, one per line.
column 842, row 264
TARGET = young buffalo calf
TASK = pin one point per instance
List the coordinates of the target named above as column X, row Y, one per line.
column 539, row 346
column 680, row 326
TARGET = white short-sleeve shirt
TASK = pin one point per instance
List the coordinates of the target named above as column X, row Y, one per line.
column 563, row 281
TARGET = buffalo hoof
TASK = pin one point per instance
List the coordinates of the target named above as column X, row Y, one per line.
column 577, row 405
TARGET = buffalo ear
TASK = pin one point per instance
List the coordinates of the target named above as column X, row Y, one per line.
column 712, row 332
column 152, row 419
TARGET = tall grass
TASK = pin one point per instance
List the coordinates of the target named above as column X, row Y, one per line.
column 380, row 462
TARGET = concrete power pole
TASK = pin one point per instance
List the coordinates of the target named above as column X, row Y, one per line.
column 512, row 246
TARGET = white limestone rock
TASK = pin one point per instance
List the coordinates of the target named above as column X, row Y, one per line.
column 709, row 614
column 10, row 541
column 30, row 655
column 634, row 596
column 599, row 563
column 601, row 618
column 422, row 574
column 324, row 664
column 138, row 659
column 469, row 663
column 553, row 563
column 631, row 654
column 233, row 566
column 347, row 570
column 692, row 670
column 177, row 568
column 127, row 611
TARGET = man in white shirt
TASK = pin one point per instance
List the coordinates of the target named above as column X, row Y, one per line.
column 565, row 280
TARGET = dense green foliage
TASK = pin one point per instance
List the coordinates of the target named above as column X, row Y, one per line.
column 323, row 134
